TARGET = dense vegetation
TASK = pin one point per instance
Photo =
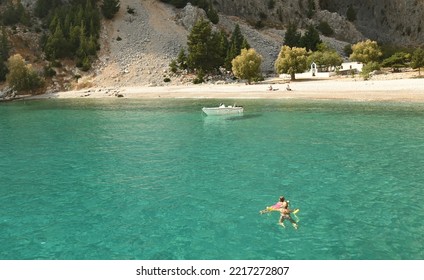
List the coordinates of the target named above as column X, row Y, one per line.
column 21, row 76
column 73, row 32
column 247, row 65
column 4, row 54
column 310, row 40
column 208, row 51
column 14, row 13
column 110, row 8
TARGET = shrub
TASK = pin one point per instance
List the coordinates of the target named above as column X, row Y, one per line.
column 368, row 68
column 351, row 14
column 131, row 11
column 247, row 65
column 22, row 77
column 365, row 52
column 110, row 8
column 325, row 28
column 291, row 61
column 49, row 71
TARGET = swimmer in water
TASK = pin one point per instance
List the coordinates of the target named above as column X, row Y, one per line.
column 285, row 215
column 282, row 202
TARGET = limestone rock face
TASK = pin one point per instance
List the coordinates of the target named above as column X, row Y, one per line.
column 388, row 21
column 189, row 15
column 343, row 29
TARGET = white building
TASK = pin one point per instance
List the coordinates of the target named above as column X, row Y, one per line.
column 348, row 66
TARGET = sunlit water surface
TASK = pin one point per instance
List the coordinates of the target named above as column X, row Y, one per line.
column 154, row 179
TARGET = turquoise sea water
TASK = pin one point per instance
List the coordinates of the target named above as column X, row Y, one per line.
column 154, row 179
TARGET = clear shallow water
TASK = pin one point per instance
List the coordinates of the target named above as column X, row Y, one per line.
column 137, row 179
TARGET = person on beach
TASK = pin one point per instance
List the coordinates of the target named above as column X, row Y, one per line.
column 288, row 87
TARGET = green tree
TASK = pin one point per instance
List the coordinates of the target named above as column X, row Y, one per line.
column 311, row 8
column 212, row 14
column 203, row 47
column 325, row 58
column 365, row 52
column 325, row 28
column 368, row 68
column 198, row 44
column 292, row 36
column 4, row 54
column 291, row 61
column 397, row 60
column 418, row 60
column 182, row 60
column 351, row 13
column 15, row 13
column 110, row 8
column 74, row 31
column 310, row 39
column 43, row 7
column 247, row 65
column 347, row 50
column 22, row 77
column 236, row 43
column 56, row 46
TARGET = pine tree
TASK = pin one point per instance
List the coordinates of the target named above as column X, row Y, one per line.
column 4, row 54
column 182, row 60
column 236, row 44
column 418, row 59
column 43, row 7
column 110, row 8
column 204, row 47
column 310, row 39
column 292, row 36
column 351, row 14
column 212, row 14
column 56, row 46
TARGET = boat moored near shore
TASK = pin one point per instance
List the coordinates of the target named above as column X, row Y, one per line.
column 223, row 110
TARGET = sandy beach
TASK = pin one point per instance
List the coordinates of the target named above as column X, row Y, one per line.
column 402, row 90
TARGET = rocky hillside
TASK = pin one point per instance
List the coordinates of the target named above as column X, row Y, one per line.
column 136, row 48
column 388, row 21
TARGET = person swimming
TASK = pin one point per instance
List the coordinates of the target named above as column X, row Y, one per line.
column 283, row 207
column 285, row 215
column 276, row 207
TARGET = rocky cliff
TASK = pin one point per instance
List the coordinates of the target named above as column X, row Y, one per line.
column 389, row 21
column 399, row 22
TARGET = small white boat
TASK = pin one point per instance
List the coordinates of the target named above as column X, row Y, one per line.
column 222, row 110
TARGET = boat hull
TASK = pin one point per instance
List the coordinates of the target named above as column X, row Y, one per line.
column 214, row 111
